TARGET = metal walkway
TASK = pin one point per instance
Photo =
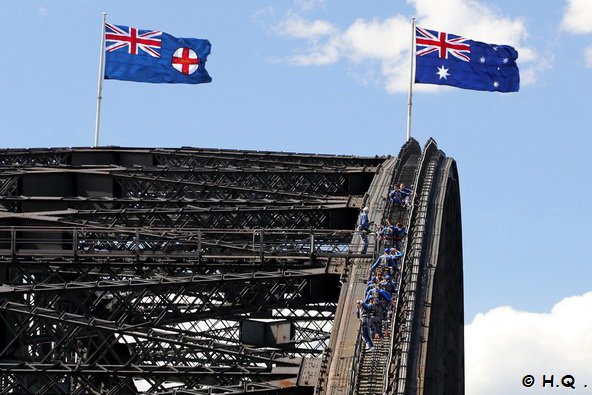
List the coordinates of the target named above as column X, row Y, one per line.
column 401, row 362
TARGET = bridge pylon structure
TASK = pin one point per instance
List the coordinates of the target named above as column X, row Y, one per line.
column 205, row 271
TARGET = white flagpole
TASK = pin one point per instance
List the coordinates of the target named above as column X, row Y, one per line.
column 100, row 83
column 411, row 79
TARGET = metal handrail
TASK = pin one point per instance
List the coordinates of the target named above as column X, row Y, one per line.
column 74, row 241
column 418, row 207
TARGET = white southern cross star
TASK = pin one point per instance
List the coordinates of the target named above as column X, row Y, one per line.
column 495, row 84
column 482, row 59
column 442, row 72
column 506, row 60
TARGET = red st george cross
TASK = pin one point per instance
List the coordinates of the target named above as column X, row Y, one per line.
column 118, row 37
column 443, row 43
column 185, row 60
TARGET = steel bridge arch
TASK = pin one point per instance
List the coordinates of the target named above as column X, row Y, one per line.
column 202, row 271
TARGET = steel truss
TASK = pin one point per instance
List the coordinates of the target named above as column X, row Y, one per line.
column 146, row 270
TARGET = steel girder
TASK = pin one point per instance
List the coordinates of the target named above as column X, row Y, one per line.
column 183, row 157
column 128, row 270
column 191, row 183
column 246, row 198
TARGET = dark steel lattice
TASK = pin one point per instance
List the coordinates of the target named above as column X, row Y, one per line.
column 157, row 269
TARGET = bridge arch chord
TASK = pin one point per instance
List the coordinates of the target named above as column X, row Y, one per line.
column 345, row 359
column 434, row 241
column 441, row 359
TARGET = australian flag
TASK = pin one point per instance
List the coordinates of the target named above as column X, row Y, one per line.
column 153, row 56
column 447, row 59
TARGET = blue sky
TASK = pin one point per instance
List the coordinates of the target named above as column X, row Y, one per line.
column 330, row 76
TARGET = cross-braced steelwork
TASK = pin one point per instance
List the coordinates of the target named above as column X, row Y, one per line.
column 200, row 271
column 161, row 271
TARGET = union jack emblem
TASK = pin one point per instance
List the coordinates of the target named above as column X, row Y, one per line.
column 118, row 37
column 443, row 43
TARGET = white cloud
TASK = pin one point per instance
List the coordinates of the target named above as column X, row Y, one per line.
column 387, row 40
column 503, row 345
column 376, row 39
column 471, row 19
column 577, row 17
column 317, row 55
column 297, row 27
column 530, row 75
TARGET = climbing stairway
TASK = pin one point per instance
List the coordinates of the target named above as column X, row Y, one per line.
column 372, row 365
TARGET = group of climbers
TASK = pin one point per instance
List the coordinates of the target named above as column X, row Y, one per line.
column 392, row 235
column 374, row 309
column 400, row 195
column 378, row 297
